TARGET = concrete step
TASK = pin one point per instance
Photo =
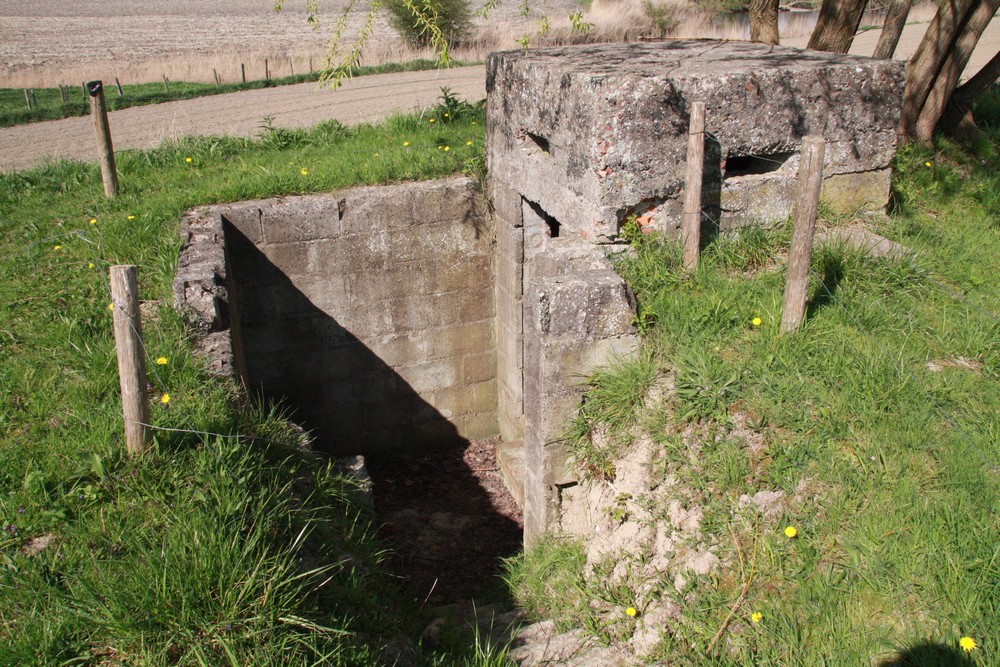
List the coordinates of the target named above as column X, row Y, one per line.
column 510, row 461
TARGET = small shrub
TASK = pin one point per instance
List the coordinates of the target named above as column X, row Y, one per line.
column 416, row 20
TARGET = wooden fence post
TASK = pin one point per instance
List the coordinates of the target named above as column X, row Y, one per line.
column 691, row 222
column 105, row 149
column 243, row 72
column 84, row 87
column 63, row 94
column 267, row 71
column 166, row 84
column 216, row 75
column 291, row 67
column 806, row 204
column 131, row 358
column 118, row 85
column 27, row 99
column 310, row 64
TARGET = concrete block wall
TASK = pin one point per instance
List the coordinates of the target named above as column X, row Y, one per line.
column 595, row 133
column 370, row 311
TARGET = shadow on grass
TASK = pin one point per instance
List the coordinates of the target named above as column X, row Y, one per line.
column 929, row 655
column 831, row 266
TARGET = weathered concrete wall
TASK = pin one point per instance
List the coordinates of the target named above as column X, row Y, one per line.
column 370, row 311
column 594, row 133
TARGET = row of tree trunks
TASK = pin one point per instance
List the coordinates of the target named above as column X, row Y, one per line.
column 951, row 68
column 925, row 64
column 892, row 29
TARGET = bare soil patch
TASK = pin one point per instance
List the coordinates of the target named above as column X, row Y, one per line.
column 450, row 518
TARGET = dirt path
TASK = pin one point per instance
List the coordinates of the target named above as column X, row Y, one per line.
column 361, row 100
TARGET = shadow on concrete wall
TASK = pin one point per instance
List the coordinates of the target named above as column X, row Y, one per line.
column 287, row 350
column 442, row 513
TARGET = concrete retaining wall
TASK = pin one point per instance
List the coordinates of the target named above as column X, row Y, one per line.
column 370, row 311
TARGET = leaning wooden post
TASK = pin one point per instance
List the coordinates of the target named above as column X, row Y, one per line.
column 118, row 85
column 131, row 358
column 27, row 99
column 166, row 85
column 105, row 150
column 806, row 204
column 243, row 72
column 691, row 223
column 215, row 74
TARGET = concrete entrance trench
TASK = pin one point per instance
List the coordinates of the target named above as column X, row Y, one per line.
column 404, row 320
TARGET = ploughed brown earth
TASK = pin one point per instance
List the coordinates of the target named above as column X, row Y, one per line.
column 450, row 519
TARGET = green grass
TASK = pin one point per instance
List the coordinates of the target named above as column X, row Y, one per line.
column 48, row 103
column 228, row 544
column 896, row 466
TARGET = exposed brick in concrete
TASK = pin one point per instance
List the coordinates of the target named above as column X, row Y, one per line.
column 370, row 311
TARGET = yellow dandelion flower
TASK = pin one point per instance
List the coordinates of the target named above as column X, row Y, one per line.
column 405, row 144
column 468, row 143
column 374, row 154
column 756, row 616
column 111, row 306
column 631, row 612
column 446, row 115
column 473, row 122
column 430, row 120
column 57, row 247
column 791, row 532
column 165, row 399
column 968, row 644
column 304, row 171
column 162, row 361
column 188, row 160
column 927, row 164
column 93, row 221
column 90, row 265
column 440, row 148
column 131, row 217
column 447, row 148
column 756, row 321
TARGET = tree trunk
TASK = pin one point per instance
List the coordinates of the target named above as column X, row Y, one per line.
column 957, row 120
column 925, row 64
column 837, row 24
column 895, row 20
column 952, row 68
column 764, row 21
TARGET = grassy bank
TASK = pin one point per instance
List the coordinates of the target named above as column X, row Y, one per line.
column 875, row 433
column 48, row 104
column 229, row 543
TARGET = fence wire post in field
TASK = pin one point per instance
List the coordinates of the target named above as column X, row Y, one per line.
column 267, row 71
column 131, row 358
column 691, row 222
column 166, row 84
column 310, row 64
column 27, row 99
column 64, row 93
column 118, row 85
column 243, row 72
column 83, row 85
column 806, row 204
column 105, row 150
column 216, row 76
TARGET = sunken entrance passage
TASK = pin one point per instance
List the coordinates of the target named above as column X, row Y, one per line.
column 369, row 314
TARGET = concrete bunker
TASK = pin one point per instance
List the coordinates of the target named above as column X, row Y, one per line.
column 427, row 320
